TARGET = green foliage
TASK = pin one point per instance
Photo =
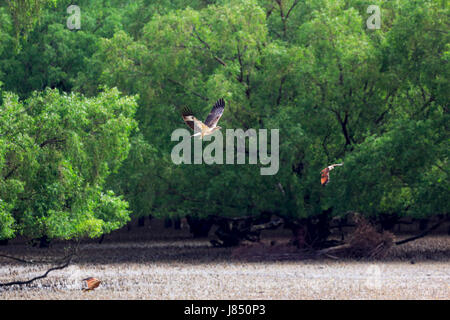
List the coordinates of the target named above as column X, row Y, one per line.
column 57, row 151
column 337, row 91
column 375, row 99
column 25, row 14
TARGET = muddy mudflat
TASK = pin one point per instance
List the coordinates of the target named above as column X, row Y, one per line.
column 177, row 267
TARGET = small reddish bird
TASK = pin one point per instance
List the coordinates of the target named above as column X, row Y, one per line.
column 92, row 283
column 325, row 173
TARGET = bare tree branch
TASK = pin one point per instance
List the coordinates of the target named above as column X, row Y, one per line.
column 16, row 259
column 38, row 277
column 51, row 141
column 269, row 12
column 441, row 168
column 292, row 7
column 208, row 47
column 61, row 264
column 423, row 234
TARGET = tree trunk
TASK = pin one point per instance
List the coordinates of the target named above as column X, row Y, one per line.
column 232, row 231
column 177, row 223
column 199, row 227
column 423, row 224
column 311, row 232
column 388, row 221
column 44, row 242
column 167, row 223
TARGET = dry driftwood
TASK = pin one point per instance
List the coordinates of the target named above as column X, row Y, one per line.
column 60, row 264
column 38, row 277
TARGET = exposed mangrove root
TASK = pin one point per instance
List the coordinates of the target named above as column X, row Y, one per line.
column 423, row 234
column 60, row 264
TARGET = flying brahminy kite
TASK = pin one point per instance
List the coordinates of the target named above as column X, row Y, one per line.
column 92, row 283
column 203, row 129
column 325, row 173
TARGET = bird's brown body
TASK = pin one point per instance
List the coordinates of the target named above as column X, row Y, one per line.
column 92, row 283
column 325, row 173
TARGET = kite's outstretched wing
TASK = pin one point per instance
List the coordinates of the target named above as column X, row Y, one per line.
column 216, row 112
column 188, row 117
column 336, row 165
column 192, row 121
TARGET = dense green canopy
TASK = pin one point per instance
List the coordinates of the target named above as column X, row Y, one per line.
column 376, row 100
column 56, row 152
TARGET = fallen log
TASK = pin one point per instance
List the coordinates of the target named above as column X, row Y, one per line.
column 423, row 234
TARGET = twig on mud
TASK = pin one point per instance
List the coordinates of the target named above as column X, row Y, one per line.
column 327, row 251
column 377, row 250
column 68, row 259
column 331, row 256
column 33, row 261
column 17, row 259
column 334, row 248
column 38, row 277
